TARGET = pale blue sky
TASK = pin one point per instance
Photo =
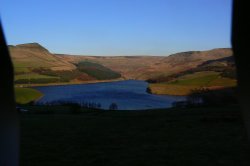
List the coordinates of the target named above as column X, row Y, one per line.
column 118, row 27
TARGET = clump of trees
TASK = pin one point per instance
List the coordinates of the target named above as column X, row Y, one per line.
column 64, row 75
column 83, row 104
column 148, row 90
column 229, row 74
column 209, row 97
column 113, row 106
column 97, row 71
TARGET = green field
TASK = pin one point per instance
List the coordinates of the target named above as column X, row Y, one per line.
column 85, row 71
column 32, row 76
column 26, row 95
column 185, row 84
column 27, row 66
column 21, row 70
column 196, row 79
column 212, row 136
column 222, row 81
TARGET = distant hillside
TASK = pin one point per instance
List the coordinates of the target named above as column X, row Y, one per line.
column 130, row 67
column 212, row 74
column 35, row 64
column 223, row 62
column 225, row 66
column 189, row 60
column 146, row 67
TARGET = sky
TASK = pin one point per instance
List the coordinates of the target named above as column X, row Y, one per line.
column 118, row 27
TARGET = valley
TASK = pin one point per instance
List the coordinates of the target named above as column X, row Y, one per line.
column 176, row 74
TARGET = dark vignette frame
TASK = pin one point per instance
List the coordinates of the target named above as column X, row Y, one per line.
column 9, row 119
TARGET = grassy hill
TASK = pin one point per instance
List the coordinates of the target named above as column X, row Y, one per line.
column 185, row 84
column 213, row 74
column 29, row 58
column 34, row 64
column 32, row 55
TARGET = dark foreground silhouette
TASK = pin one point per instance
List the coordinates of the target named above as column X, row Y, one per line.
column 192, row 136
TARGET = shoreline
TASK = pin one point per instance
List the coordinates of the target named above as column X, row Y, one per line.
column 88, row 82
column 37, row 99
column 67, row 83
column 149, row 89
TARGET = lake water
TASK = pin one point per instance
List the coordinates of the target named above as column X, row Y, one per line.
column 128, row 95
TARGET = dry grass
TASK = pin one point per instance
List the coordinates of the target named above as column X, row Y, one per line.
column 170, row 89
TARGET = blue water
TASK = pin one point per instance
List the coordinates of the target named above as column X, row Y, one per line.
column 128, row 95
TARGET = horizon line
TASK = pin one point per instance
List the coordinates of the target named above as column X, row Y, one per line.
column 118, row 55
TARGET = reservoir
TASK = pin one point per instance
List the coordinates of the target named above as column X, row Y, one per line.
column 127, row 95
